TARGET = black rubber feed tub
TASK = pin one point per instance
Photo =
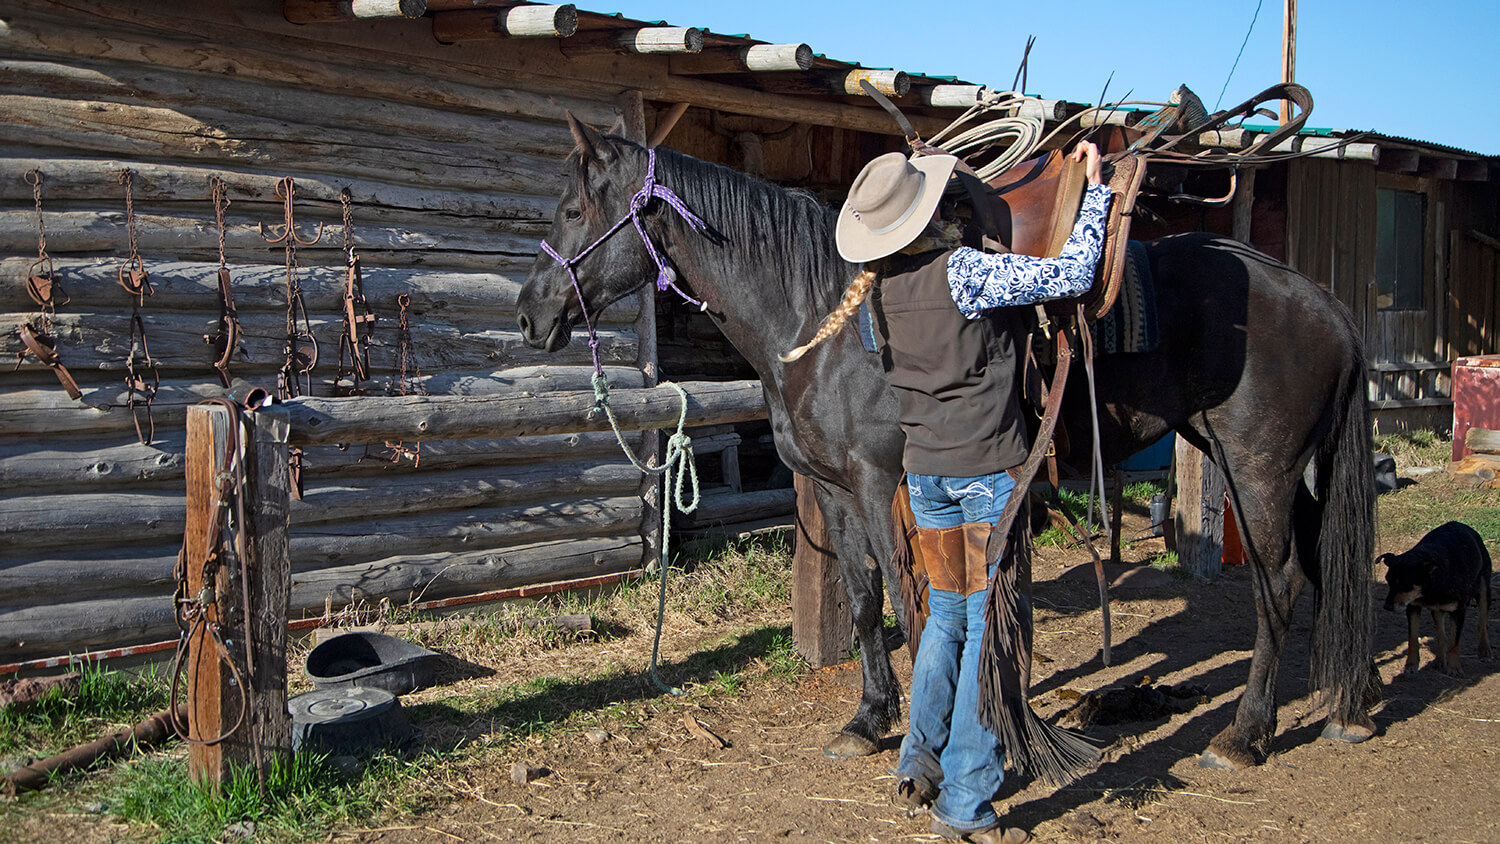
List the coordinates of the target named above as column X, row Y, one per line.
column 347, row 721
column 370, row 660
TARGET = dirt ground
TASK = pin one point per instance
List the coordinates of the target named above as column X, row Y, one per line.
column 1429, row 774
column 635, row 771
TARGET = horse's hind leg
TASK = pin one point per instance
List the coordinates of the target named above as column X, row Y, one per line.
column 880, row 704
column 1265, row 519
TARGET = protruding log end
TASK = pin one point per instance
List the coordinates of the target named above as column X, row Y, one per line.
column 330, row 11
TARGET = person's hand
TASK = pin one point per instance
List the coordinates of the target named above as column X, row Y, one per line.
column 1087, row 152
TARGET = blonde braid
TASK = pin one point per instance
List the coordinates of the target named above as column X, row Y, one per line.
column 859, row 288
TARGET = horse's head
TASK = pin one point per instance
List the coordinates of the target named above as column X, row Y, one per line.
column 603, row 173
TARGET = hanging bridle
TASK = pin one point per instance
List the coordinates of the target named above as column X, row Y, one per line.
column 665, row 277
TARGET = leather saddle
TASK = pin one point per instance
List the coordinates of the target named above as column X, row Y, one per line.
column 1034, row 205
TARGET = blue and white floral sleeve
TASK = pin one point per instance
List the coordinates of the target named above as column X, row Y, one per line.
column 979, row 280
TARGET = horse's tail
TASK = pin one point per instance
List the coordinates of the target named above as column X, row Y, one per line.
column 1345, row 549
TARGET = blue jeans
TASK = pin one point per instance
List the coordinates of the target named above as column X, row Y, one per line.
column 945, row 743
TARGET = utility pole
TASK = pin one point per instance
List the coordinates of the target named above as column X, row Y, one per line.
column 1288, row 53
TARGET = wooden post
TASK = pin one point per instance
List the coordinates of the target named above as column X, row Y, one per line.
column 214, row 702
column 1243, row 206
column 1198, row 517
column 822, row 627
column 1288, row 53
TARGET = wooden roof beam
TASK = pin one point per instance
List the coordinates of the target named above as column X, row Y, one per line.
column 330, row 11
column 1394, row 160
column 652, row 40
column 1437, row 168
column 514, row 22
column 1473, row 171
column 753, row 59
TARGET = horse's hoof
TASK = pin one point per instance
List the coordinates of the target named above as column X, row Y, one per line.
column 849, row 746
column 1348, row 733
column 1210, row 759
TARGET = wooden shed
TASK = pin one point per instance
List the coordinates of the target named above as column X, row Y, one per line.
column 429, row 139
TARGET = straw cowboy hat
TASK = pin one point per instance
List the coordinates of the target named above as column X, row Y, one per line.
column 890, row 203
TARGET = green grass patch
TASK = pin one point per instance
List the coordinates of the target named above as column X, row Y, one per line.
column 105, row 701
column 1140, row 492
column 1166, row 561
column 304, row 798
column 1416, row 448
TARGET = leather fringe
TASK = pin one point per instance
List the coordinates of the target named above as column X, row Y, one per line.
column 1054, row 754
column 905, row 560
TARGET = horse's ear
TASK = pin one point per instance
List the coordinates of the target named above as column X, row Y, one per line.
column 590, row 143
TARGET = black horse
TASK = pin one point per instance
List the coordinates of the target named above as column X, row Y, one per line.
column 1257, row 366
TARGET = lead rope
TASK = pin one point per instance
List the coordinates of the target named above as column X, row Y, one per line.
column 679, row 445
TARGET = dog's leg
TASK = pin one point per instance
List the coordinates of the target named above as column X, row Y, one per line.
column 1413, row 647
column 1440, row 643
column 1455, row 659
column 1484, row 616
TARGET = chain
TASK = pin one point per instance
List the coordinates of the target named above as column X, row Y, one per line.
column 403, row 384
column 220, row 194
column 359, row 320
column 300, row 353
column 41, row 281
column 142, row 380
column 225, row 341
column 301, row 348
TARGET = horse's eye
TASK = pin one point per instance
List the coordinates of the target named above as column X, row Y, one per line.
column 572, row 214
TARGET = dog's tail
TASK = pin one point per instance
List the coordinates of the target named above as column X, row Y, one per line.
column 1345, row 546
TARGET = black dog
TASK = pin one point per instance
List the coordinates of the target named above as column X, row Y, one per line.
column 1444, row 571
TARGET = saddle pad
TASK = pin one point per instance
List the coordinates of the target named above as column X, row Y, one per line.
column 1130, row 325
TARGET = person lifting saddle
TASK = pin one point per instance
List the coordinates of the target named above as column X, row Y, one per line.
column 945, row 320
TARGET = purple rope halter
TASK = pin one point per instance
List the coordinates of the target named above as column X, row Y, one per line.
column 664, row 276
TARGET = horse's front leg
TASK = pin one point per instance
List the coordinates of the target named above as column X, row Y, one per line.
column 880, row 704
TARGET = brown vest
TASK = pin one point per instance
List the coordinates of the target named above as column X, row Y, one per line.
column 954, row 378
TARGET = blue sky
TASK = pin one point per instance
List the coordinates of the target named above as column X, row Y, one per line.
column 1429, row 71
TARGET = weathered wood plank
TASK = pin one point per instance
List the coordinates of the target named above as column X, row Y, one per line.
column 48, row 629
column 210, row 680
column 88, row 573
column 123, row 82
column 194, row 47
column 265, row 740
column 418, row 493
column 92, row 284
column 91, row 179
column 102, row 342
column 99, row 519
column 743, row 507
column 324, row 545
column 156, row 132
column 244, row 241
column 316, row 421
column 42, row 405
column 442, row 575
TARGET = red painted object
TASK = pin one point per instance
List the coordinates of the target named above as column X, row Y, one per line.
column 1476, row 398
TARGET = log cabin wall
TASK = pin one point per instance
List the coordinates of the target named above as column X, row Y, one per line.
column 453, row 172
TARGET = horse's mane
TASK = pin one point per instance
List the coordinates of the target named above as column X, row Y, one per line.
column 787, row 234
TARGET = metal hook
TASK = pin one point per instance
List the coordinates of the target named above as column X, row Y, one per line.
column 288, row 232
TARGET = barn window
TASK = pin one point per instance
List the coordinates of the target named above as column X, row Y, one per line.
column 1399, row 249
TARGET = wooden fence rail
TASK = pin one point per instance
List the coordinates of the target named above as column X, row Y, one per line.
column 268, row 572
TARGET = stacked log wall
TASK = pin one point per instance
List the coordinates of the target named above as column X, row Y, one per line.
column 453, row 178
